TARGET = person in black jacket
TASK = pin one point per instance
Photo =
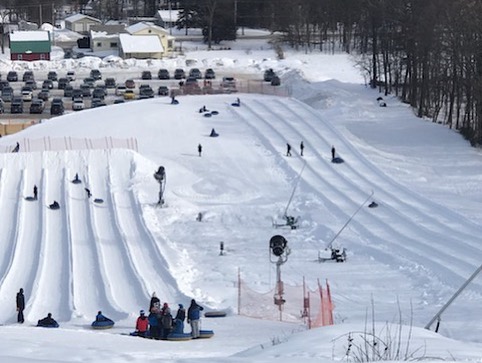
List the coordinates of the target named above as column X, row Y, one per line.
column 179, row 319
column 20, row 306
column 48, row 321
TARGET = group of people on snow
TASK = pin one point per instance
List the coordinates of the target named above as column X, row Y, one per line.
column 302, row 148
column 157, row 325
column 160, row 321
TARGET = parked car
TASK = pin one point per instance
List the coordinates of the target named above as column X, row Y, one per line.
column 27, row 95
column 37, row 106
column 27, row 75
column 95, row 74
column 146, row 75
column 163, row 91
column 268, row 75
column 85, row 88
column 97, row 102
column 179, row 73
column 7, row 94
column 2, row 106
column 31, row 83
column 62, row 83
column 76, row 93
column 4, row 84
column 44, row 95
column 119, row 91
column 129, row 95
column 70, row 76
column 98, row 93
column 17, row 105
column 119, row 100
column 48, row 84
column 195, row 73
column 78, row 104
column 57, row 107
column 163, row 74
column 209, row 74
column 89, row 81
column 146, row 91
column 109, row 83
column 68, row 90
column 12, row 76
column 52, row 75
column 130, row 84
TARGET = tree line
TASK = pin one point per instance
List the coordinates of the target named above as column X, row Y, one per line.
column 426, row 52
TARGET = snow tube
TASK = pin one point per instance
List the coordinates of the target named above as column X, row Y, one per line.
column 106, row 324
column 214, row 113
column 205, row 334
column 53, row 325
column 54, row 206
column 207, row 114
column 30, row 199
column 337, row 160
column 76, row 181
column 373, row 205
column 179, row 336
column 215, row 314
column 235, row 104
column 98, row 200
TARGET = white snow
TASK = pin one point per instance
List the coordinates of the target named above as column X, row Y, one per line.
column 405, row 258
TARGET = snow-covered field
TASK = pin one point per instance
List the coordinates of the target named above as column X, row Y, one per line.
column 405, row 258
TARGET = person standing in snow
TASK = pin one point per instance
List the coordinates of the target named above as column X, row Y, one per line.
column 35, row 192
column 179, row 319
column 288, row 149
column 302, row 147
column 142, row 324
column 193, row 318
column 20, row 306
column 199, row 149
column 89, row 194
column 333, row 152
column 166, row 320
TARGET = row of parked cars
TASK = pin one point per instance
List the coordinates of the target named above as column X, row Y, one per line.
column 179, row 73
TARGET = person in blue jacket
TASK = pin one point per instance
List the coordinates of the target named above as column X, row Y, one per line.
column 193, row 317
column 100, row 317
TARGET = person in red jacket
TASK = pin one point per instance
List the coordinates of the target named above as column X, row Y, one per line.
column 142, row 324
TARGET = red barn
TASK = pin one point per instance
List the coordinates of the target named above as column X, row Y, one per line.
column 30, row 45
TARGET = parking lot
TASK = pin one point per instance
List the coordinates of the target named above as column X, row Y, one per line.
column 136, row 82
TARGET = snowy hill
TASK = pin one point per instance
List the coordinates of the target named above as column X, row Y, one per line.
column 410, row 254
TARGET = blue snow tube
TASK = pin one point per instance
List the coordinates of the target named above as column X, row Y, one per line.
column 52, row 325
column 106, row 324
column 179, row 336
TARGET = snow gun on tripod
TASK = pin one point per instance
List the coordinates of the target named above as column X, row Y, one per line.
column 290, row 221
column 338, row 254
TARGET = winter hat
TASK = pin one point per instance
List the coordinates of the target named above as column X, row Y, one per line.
column 165, row 305
column 142, row 312
column 181, row 306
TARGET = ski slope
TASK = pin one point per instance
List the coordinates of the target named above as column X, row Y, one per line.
column 86, row 256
